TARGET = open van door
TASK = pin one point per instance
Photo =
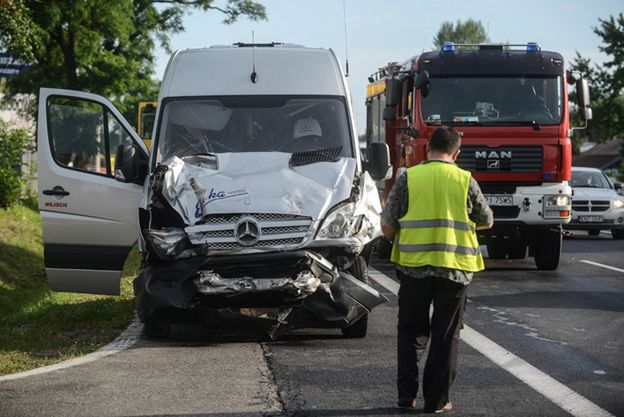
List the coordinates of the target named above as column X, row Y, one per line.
column 90, row 220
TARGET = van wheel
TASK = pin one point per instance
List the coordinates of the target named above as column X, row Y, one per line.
column 547, row 251
column 384, row 249
column 593, row 232
column 497, row 251
column 617, row 234
column 358, row 329
column 156, row 330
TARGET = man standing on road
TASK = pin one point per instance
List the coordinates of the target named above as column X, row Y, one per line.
column 430, row 215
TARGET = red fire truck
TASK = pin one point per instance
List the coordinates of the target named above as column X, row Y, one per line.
column 510, row 105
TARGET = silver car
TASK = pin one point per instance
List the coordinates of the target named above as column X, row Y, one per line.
column 596, row 204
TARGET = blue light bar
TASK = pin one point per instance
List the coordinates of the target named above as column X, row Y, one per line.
column 448, row 47
column 533, row 47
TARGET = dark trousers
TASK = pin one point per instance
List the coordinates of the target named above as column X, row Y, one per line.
column 415, row 328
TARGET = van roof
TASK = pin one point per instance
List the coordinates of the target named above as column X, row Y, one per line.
column 282, row 69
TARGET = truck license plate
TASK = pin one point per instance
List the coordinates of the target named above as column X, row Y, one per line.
column 590, row 219
column 499, row 200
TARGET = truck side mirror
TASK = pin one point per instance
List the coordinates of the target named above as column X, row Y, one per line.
column 389, row 113
column 392, row 92
column 130, row 164
column 582, row 99
column 421, row 79
column 379, row 166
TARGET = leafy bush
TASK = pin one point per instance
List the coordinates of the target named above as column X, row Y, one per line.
column 13, row 144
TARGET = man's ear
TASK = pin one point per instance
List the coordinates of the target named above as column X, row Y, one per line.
column 455, row 154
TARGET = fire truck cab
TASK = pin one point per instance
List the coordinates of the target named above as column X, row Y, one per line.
column 510, row 105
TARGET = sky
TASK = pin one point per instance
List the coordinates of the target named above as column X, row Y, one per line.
column 378, row 32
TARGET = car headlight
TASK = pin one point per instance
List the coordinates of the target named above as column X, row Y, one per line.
column 558, row 200
column 340, row 223
column 618, row 203
column 167, row 243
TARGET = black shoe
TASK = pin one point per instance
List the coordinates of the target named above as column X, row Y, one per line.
column 407, row 403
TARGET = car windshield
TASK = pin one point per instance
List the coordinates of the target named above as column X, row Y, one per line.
column 253, row 124
column 493, row 101
column 589, row 179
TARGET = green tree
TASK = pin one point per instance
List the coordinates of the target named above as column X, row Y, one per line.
column 104, row 47
column 606, row 82
column 470, row 31
column 13, row 143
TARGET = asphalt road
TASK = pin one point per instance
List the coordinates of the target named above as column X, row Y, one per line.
column 562, row 332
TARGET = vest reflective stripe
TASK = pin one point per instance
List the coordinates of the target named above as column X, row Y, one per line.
column 436, row 229
column 440, row 247
column 421, row 224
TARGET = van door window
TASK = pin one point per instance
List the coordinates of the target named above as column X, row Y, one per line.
column 84, row 135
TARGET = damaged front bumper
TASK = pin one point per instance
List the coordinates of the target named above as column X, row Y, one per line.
column 265, row 295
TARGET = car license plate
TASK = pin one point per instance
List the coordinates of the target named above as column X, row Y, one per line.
column 499, row 199
column 590, row 219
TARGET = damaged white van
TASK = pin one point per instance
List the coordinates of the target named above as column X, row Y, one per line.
column 253, row 210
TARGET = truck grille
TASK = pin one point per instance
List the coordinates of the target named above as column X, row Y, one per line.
column 590, row 205
column 218, row 231
column 516, row 159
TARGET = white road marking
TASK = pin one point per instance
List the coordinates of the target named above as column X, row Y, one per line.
column 125, row 340
column 555, row 391
column 603, row 266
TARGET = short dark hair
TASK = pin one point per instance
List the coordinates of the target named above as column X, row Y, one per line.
column 445, row 139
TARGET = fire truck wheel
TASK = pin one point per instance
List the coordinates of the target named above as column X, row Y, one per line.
column 358, row 329
column 517, row 250
column 548, row 249
column 497, row 251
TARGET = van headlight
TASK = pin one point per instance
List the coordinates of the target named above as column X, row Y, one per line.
column 619, row 203
column 340, row 223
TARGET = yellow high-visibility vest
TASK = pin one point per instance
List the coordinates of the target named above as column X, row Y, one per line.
column 436, row 229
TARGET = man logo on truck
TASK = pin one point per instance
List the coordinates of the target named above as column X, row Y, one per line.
column 492, row 154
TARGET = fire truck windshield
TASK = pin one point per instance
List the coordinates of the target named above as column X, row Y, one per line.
column 494, row 101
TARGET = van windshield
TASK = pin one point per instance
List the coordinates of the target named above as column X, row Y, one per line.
column 494, row 101
column 253, row 124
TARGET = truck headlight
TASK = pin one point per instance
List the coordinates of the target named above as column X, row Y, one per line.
column 618, row 203
column 339, row 223
column 557, row 206
column 557, row 200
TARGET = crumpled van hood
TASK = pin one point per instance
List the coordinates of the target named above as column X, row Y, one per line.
column 255, row 182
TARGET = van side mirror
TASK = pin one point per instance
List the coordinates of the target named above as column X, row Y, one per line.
column 130, row 164
column 617, row 186
column 379, row 166
column 582, row 99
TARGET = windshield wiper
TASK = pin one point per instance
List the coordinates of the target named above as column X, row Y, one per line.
column 532, row 123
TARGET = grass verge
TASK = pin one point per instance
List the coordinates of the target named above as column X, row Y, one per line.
column 37, row 326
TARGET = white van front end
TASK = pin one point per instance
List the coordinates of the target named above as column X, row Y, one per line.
column 256, row 211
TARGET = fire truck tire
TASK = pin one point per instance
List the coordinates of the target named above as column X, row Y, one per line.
column 617, row 234
column 517, row 250
column 497, row 251
column 384, row 248
column 548, row 249
column 358, row 329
